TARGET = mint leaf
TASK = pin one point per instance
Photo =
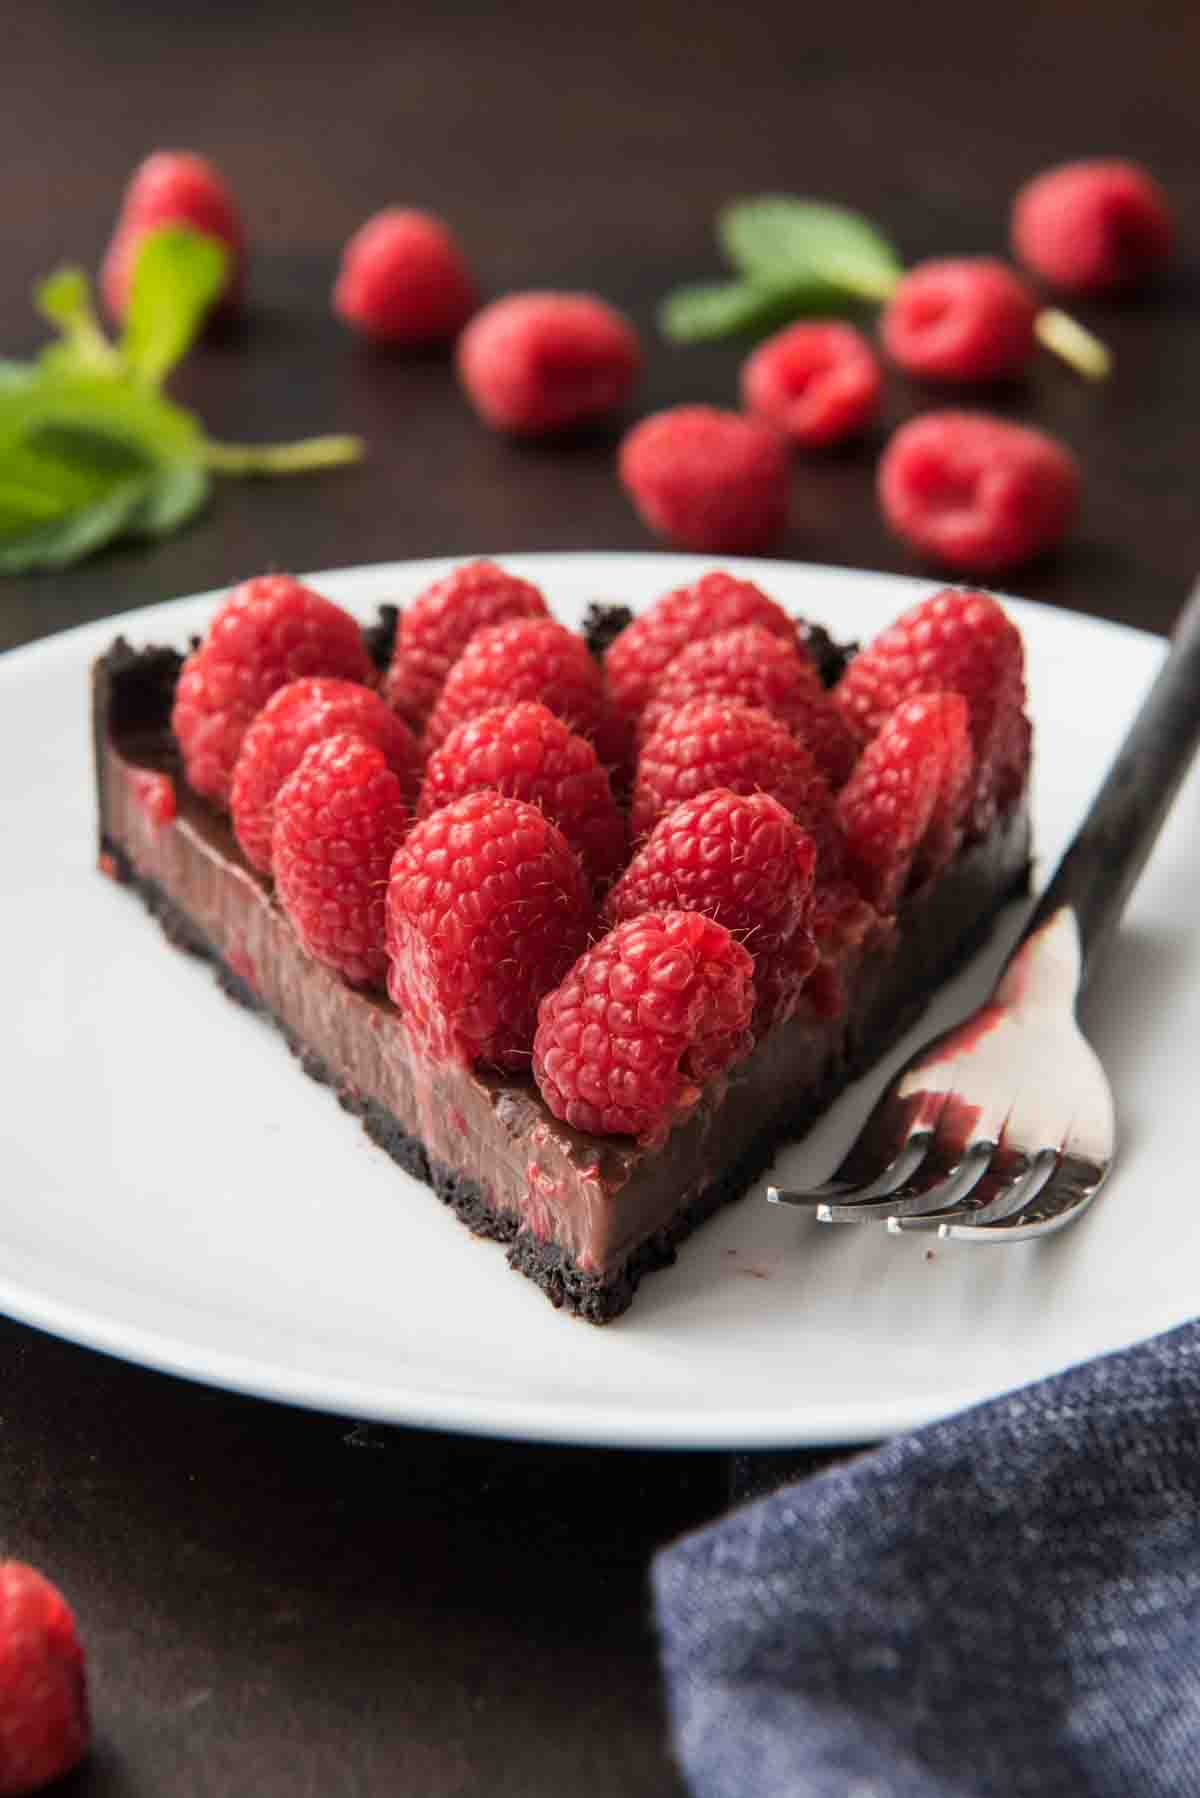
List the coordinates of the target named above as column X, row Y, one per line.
column 175, row 494
column 176, row 277
column 779, row 240
column 716, row 309
column 68, row 536
column 65, row 298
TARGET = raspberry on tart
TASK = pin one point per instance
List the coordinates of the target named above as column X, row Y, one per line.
column 436, row 628
column 525, row 752
column 339, row 818
column 902, row 810
column 487, row 907
column 642, row 1022
column 269, row 631
column 294, row 718
column 745, row 861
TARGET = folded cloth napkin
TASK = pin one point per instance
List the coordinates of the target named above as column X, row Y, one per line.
column 1004, row 1603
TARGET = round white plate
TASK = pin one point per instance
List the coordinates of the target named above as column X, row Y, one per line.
column 175, row 1191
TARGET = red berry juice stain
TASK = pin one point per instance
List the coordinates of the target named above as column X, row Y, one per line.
column 239, row 963
column 155, row 793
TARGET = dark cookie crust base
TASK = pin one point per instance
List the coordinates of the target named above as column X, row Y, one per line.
column 564, row 1283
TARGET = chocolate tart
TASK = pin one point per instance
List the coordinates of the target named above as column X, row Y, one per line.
column 584, row 1217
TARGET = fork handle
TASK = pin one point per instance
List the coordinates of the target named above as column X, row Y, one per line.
column 1100, row 868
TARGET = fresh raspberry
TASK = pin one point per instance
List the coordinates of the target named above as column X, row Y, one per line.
column 717, row 602
column 706, row 479
column 902, row 809
column 43, row 1687
column 525, row 659
column 712, row 743
column 743, row 860
column 536, row 363
column 1092, row 227
column 957, row 641
column 976, row 493
column 650, row 1014
column 172, row 187
column 339, row 818
column 752, row 667
column 404, row 279
column 438, row 625
column 297, row 716
column 816, row 383
column 269, row 631
column 525, row 752
column 487, row 907
column 962, row 318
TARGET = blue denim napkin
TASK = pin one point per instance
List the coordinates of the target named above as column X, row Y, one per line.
column 1005, row 1603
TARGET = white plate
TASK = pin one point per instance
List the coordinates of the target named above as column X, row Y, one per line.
column 173, row 1190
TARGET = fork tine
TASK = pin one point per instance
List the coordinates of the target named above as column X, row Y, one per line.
column 897, row 1173
column 940, row 1186
column 1013, row 1193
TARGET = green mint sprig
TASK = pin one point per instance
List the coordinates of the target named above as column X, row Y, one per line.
column 91, row 448
column 796, row 258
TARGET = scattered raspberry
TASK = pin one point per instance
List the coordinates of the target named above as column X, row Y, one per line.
column 294, row 718
column 902, row 809
column 956, row 641
column 43, row 1688
column 404, row 279
column 843, row 925
column 487, row 908
column 339, row 818
column 155, row 793
column 650, row 1014
column 528, row 658
column 743, row 860
column 815, row 383
column 535, row 363
column 712, row 743
column 975, row 493
column 172, row 187
column 754, row 668
column 706, row 479
column 525, row 752
column 1092, row 227
column 438, row 625
column 269, row 631
column 716, row 602
column 962, row 318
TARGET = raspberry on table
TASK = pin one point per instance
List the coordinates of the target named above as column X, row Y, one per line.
column 718, row 601
column 754, row 668
column 644, row 1020
column 817, row 383
column 975, row 493
column 271, row 630
column 536, row 363
column 743, row 860
column 716, row 743
column 44, row 1727
column 487, row 908
column 956, row 641
column 172, row 187
column 526, row 659
column 1092, row 227
column 706, row 479
column 960, row 318
column 404, row 279
column 436, row 628
column 340, row 816
column 525, row 752
column 294, row 718
column 902, row 810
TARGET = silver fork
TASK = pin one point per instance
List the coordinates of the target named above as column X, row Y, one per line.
column 1003, row 1129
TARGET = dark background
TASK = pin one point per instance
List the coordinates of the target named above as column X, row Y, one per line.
column 276, row 1602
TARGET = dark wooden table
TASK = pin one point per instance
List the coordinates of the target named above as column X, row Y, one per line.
column 278, row 1602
